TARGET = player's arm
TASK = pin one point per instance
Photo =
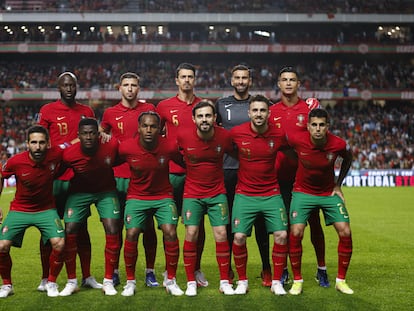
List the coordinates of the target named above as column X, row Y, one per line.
column 343, row 172
column 104, row 134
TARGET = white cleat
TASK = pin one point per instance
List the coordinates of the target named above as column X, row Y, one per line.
column 6, row 290
column 108, row 288
column 200, row 278
column 42, row 285
column 226, row 288
column 172, row 287
column 91, row 282
column 277, row 288
column 129, row 288
column 242, row 287
column 52, row 289
column 70, row 288
column 191, row 289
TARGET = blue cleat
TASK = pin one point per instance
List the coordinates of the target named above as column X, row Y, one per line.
column 285, row 277
column 115, row 279
column 322, row 278
column 150, row 280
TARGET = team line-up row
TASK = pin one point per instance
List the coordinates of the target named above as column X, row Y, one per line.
column 278, row 171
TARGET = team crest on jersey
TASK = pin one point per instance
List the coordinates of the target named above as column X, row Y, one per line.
column 188, row 214
column 162, row 160
column 70, row 212
column 218, row 148
column 330, row 156
column 108, row 160
column 4, row 230
column 236, row 222
column 128, row 219
column 271, row 144
column 300, row 119
column 294, row 214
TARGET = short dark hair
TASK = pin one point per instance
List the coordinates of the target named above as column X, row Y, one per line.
column 88, row 121
column 37, row 129
column 318, row 113
column 240, row 67
column 288, row 69
column 204, row 103
column 185, row 66
column 259, row 98
column 128, row 75
column 149, row 113
column 67, row 73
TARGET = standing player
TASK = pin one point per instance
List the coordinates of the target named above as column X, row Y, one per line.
column 33, row 205
column 61, row 118
column 257, row 191
column 315, row 187
column 232, row 111
column 93, row 183
column 204, row 192
column 150, row 193
column 176, row 115
column 290, row 115
column 121, row 122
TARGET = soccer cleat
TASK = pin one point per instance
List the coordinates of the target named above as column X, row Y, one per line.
column 226, row 288
column 242, row 287
column 91, row 282
column 201, row 279
column 285, row 277
column 71, row 287
column 172, row 288
column 115, row 279
column 150, row 279
column 342, row 287
column 129, row 288
column 266, row 278
column 6, row 290
column 191, row 290
column 52, row 289
column 277, row 288
column 322, row 278
column 296, row 288
column 108, row 287
column 42, row 285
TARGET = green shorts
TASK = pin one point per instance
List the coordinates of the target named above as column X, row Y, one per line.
column 78, row 206
column 302, row 205
column 60, row 192
column 121, row 189
column 247, row 208
column 137, row 212
column 16, row 223
column 216, row 208
column 177, row 181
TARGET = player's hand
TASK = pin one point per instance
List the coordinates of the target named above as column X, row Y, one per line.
column 313, row 103
column 338, row 191
column 105, row 137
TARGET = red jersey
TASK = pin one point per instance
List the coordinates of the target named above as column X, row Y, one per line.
column 93, row 174
column 316, row 173
column 257, row 155
column 176, row 115
column 34, row 188
column 204, row 161
column 291, row 120
column 149, row 168
column 122, row 123
column 62, row 122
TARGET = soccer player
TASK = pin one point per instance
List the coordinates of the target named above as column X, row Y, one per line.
column 93, row 183
column 121, row 122
column 231, row 111
column 315, row 187
column 290, row 115
column 150, row 193
column 33, row 205
column 176, row 115
column 203, row 148
column 61, row 118
column 257, row 191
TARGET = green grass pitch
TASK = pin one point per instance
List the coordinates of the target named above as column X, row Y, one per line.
column 381, row 270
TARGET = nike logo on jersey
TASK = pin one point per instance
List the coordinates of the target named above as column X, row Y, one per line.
column 277, row 118
column 25, row 174
column 228, row 105
column 190, row 149
column 118, row 118
column 244, row 143
column 173, row 110
column 60, row 118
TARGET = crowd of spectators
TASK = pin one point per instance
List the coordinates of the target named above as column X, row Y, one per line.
column 215, row 6
column 380, row 137
column 316, row 73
